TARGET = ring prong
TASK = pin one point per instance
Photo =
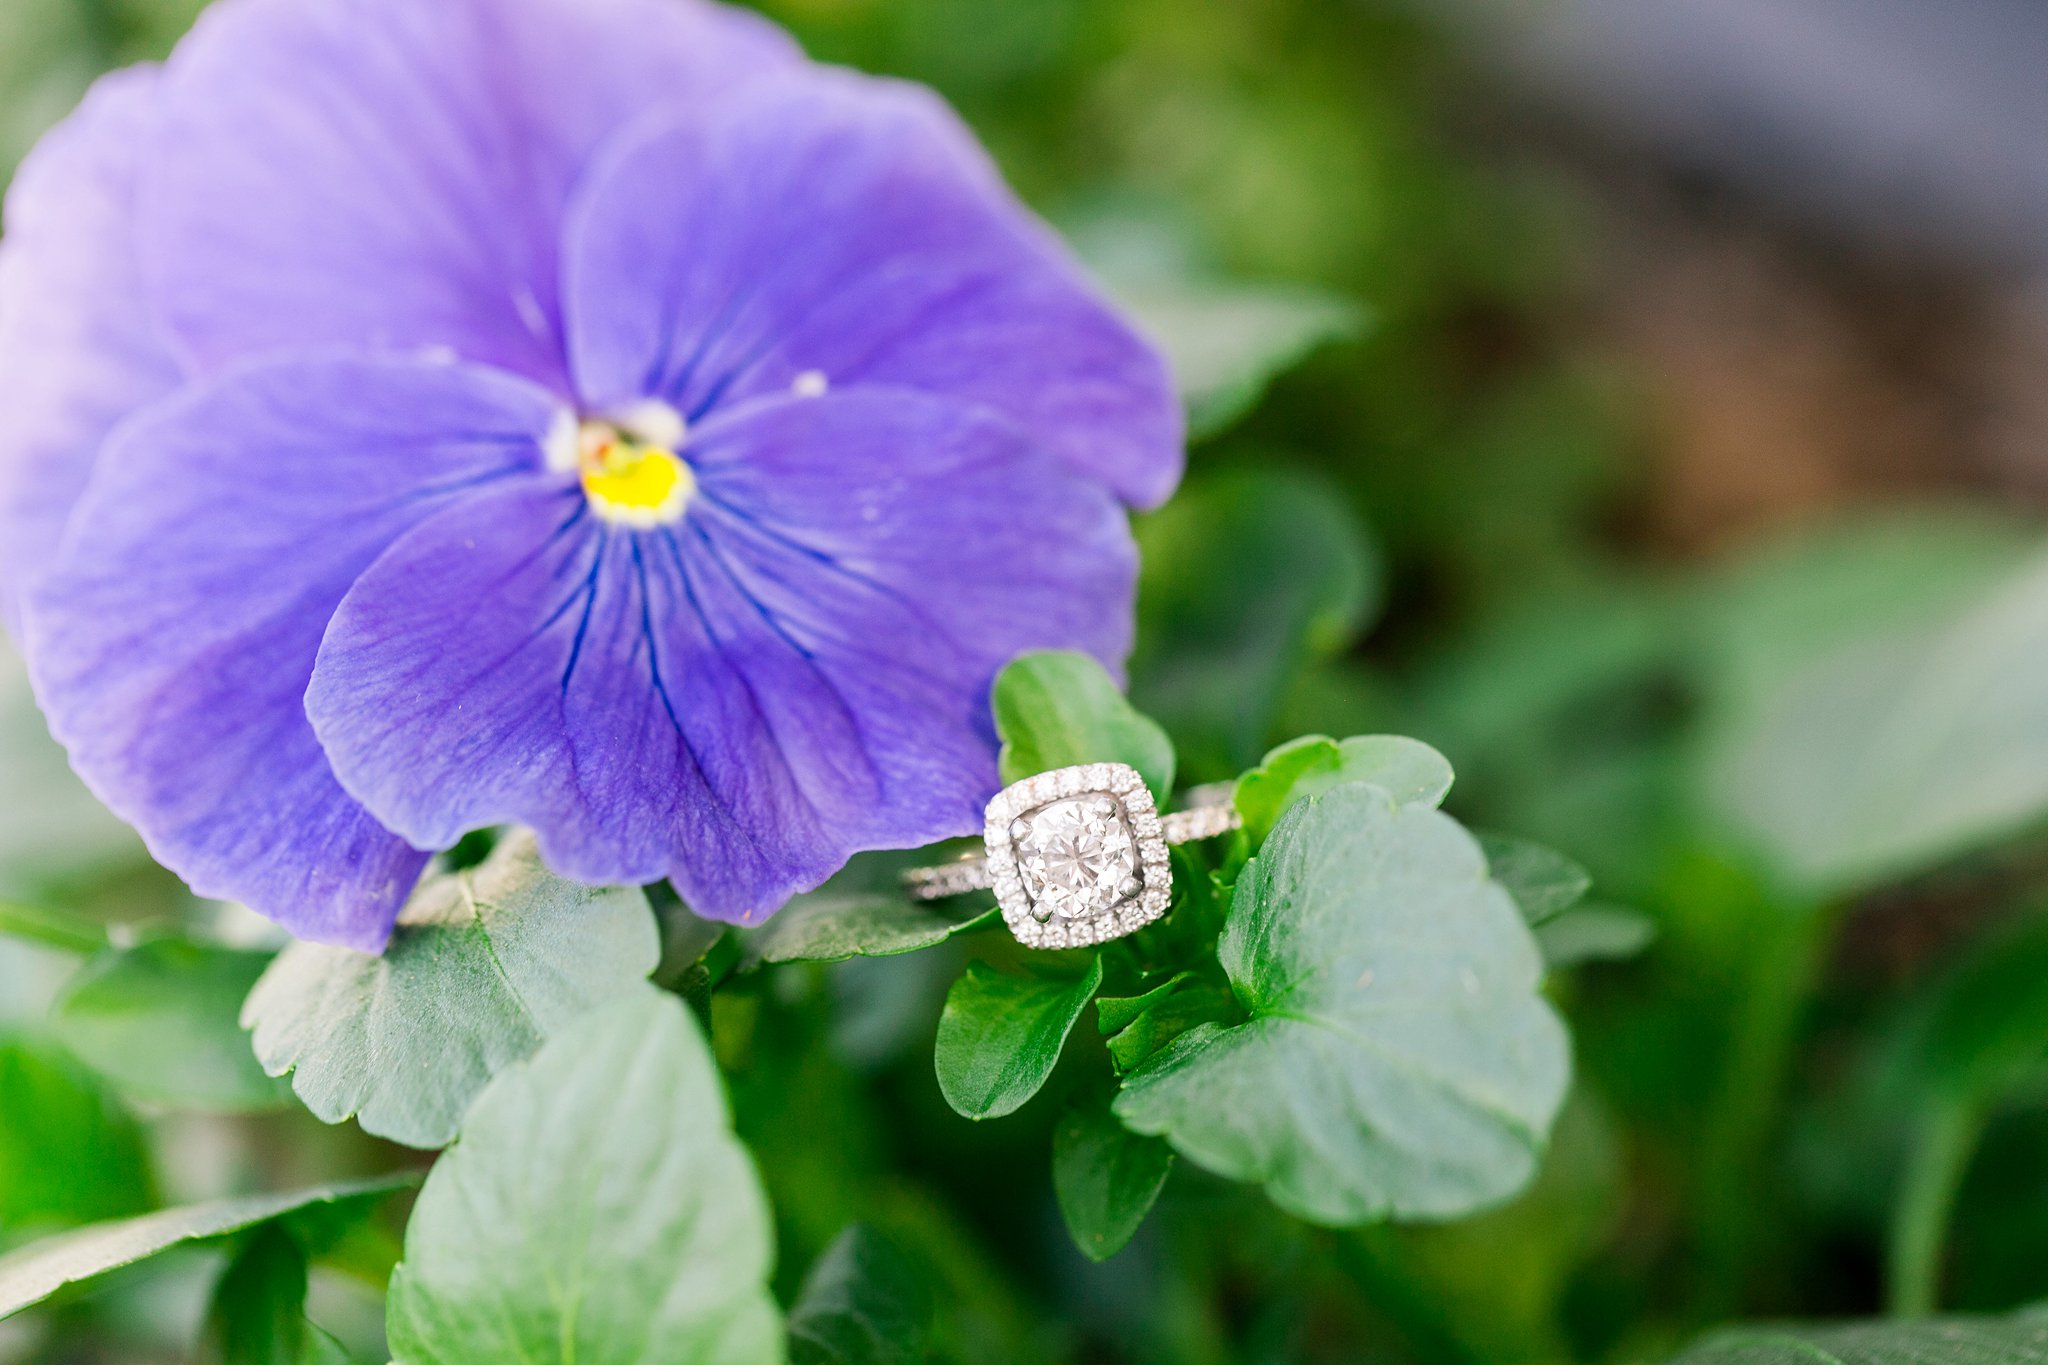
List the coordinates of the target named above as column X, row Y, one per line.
column 1020, row 830
column 1130, row 888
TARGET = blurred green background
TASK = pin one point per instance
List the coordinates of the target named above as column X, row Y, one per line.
column 1700, row 535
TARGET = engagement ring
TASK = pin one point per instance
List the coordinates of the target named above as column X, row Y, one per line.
column 1077, row 855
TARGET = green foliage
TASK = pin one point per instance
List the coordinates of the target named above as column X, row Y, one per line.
column 1815, row 776
column 1000, row 1035
column 596, row 1210
column 1977, row 1040
column 1409, row 770
column 1398, row 1059
column 1225, row 339
column 1949, row 1341
column 258, row 1312
column 1594, row 933
column 33, row 1273
column 1106, row 1177
column 1898, row 750
column 484, row 967
column 1543, row 881
column 1228, row 341
column 159, row 1019
column 864, row 1303
column 1138, row 1026
column 824, row 927
column 1056, row 709
column 68, row 1154
column 1248, row 577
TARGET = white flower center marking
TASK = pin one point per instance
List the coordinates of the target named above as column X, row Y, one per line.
column 630, row 470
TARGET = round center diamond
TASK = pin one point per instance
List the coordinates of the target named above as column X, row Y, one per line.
column 1077, row 857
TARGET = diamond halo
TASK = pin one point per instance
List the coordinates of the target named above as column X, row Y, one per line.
column 1077, row 856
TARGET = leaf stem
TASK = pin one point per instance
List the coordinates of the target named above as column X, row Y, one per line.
column 1371, row 1257
column 50, row 928
column 1943, row 1145
column 1762, row 1042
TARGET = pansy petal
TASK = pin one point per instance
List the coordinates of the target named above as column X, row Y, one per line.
column 78, row 349
column 393, row 173
column 796, row 670
column 831, row 228
column 171, row 642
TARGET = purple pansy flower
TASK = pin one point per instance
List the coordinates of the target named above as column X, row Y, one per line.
column 587, row 414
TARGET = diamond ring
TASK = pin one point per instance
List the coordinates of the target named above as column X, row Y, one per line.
column 1076, row 855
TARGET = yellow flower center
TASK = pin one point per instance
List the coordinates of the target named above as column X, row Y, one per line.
column 632, row 481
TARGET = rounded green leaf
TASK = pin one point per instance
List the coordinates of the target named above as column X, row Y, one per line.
column 1000, row 1036
column 1409, row 770
column 1105, row 1176
column 38, row 1270
column 1896, row 750
column 1056, row 709
column 1399, row 1059
column 597, row 1210
column 485, row 965
column 864, row 1303
column 159, row 1019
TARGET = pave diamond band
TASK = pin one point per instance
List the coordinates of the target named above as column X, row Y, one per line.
column 1077, row 855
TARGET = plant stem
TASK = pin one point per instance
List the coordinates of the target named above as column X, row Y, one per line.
column 1942, row 1147
column 1371, row 1257
column 50, row 929
column 1765, row 1034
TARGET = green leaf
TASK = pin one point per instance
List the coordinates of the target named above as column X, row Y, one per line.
column 38, row 1270
column 1985, row 1028
column 832, row 928
column 1226, row 341
column 1594, row 933
column 1499, row 1279
column 597, row 1210
column 1000, row 1036
column 1823, row 588
column 1543, row 881
column 258, row 1312
column 1056, row 709
column 1411, row 771
column 1399, row 1059
column 1977, row 1038
column 68, row 1152
column 160, row 1020
column 50, row 929
column 1248, row 577
column 322, row 1349
column 484, row 967
column 1939, row 1341
column 864, row 1303
column 1105, row 1176
column 1896, row 751
column 1114, row 1013
column 1187, row 1002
